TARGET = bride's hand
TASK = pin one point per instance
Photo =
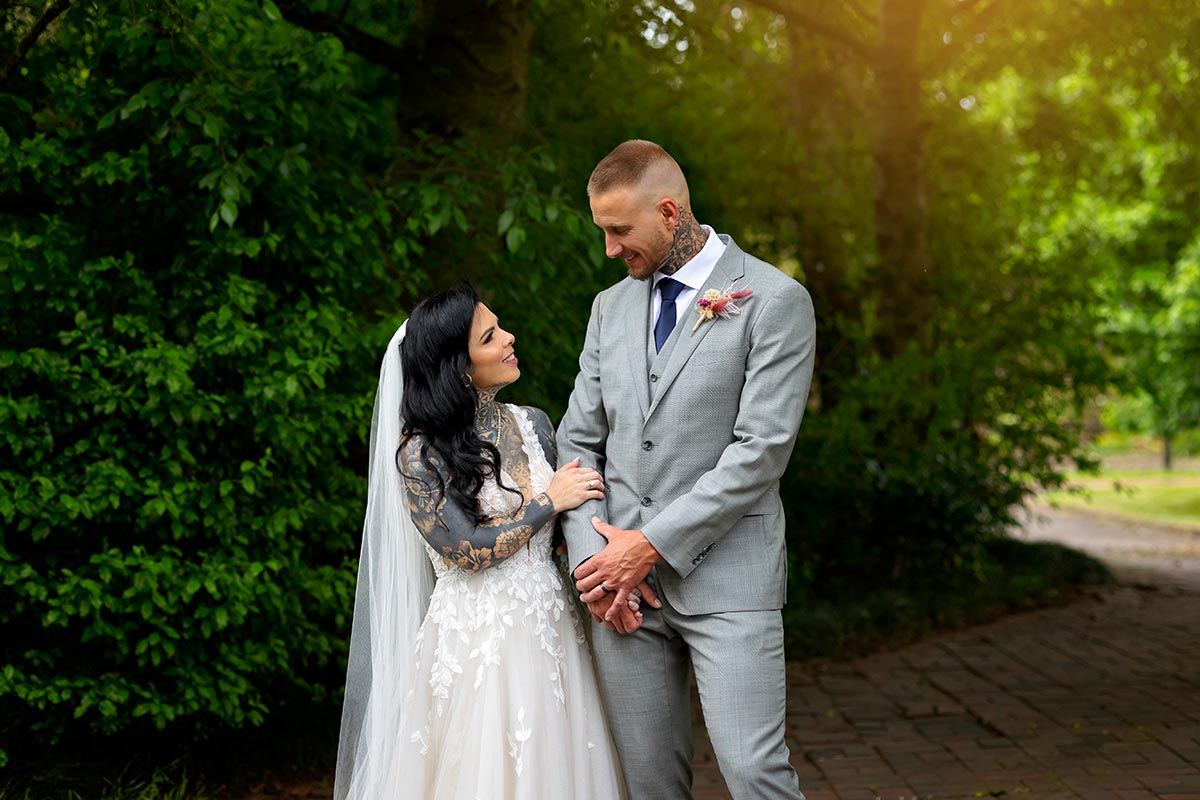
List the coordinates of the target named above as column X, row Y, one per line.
column 573, row 486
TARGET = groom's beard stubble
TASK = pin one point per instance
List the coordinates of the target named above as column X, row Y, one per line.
column 648, row 267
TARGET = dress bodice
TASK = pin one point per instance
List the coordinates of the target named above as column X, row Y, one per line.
column 499, row 503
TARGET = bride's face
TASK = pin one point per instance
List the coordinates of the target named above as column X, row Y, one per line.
column 493, row 359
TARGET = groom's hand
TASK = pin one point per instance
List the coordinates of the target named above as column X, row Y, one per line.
column 625, row 620
column 618, row 569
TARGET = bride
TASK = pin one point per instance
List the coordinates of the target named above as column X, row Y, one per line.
column 476, row 684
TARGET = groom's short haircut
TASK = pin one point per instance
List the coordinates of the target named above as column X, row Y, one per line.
column 638, row 162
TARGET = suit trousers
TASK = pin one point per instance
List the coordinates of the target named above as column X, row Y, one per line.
column 738, row 661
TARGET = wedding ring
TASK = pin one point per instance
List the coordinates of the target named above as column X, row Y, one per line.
column 637, row 593
column 604, row 588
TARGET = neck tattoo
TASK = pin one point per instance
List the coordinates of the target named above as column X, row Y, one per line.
column 688, row 242
column 488, row 417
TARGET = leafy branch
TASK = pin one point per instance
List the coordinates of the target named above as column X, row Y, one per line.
column 52, row 12
column 374, row 49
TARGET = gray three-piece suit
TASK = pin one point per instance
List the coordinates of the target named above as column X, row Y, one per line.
column 692, row 442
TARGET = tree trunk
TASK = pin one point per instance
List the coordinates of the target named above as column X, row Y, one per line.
column 1167, row 452
column 467, row 81
column 901, row 208
column 462, row 67
column 824, row 268
column 469, row 75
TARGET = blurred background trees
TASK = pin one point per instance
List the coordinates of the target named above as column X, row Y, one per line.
column 213, row 215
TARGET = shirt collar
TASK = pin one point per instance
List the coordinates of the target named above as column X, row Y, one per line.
column 695, row 273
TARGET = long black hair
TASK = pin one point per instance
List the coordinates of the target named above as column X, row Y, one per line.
column 439, row 403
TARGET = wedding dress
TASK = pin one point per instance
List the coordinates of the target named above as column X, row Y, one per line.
column 502, row 702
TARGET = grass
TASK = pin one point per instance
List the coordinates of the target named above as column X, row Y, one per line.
column 1015, row 576
column 1167, row 498
column 164, row 783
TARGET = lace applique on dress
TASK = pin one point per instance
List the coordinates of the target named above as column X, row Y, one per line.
column 503, row 668
column 481, row 608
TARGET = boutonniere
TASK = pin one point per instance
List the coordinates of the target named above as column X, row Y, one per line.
column 721, row 304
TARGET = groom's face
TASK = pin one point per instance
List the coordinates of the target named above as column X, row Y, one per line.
column 635, row 229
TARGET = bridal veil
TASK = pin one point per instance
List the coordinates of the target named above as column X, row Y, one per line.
column 395, row 580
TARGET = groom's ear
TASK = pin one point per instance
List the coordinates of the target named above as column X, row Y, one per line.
column 669, row 210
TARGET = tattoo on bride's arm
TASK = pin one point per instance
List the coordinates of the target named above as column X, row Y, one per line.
column 484, row 545
column 452, row 532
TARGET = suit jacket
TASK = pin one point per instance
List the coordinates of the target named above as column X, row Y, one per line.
column 692, row 443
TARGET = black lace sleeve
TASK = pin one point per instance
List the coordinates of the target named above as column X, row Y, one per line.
column 545, row 434
column 451, row 531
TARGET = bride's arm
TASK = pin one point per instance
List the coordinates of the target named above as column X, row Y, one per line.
column 451, row 531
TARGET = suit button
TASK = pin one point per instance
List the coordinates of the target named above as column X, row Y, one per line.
column 647, row 445
column 646, row 501
column 654, row 379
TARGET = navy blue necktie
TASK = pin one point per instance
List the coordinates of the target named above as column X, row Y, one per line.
column 669, row 289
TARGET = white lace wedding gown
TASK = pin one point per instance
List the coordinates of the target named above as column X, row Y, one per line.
column 504, row 704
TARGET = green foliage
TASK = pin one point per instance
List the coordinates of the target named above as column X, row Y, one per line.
column 1158, row 346
column 1010, row 575
column 1110, row 164
column 921, row 462
column 1188, row 442
column 507, row 223
column 186, row 370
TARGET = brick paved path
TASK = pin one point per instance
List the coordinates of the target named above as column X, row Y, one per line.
column 1097, row 700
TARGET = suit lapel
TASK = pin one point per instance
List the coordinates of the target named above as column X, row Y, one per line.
column 729, row 267
column 637, row 340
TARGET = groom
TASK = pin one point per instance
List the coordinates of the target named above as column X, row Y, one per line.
column 692, row 421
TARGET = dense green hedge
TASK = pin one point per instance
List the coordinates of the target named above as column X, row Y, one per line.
column 185, row 372
column 924, row 461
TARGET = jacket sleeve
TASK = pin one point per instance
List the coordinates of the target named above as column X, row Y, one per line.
column 450, row 530
column 779, row 368
column 583, row 434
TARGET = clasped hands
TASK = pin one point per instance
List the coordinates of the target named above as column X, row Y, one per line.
column 613, row 582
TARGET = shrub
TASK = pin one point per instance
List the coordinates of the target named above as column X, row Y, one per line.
column 186, row 373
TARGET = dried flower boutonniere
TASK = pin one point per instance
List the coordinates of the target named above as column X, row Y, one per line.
column 719, row 304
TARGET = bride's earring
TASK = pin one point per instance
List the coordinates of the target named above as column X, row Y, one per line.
column 466, row 380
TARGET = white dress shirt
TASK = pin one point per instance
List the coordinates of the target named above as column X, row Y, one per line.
column 692, row 275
